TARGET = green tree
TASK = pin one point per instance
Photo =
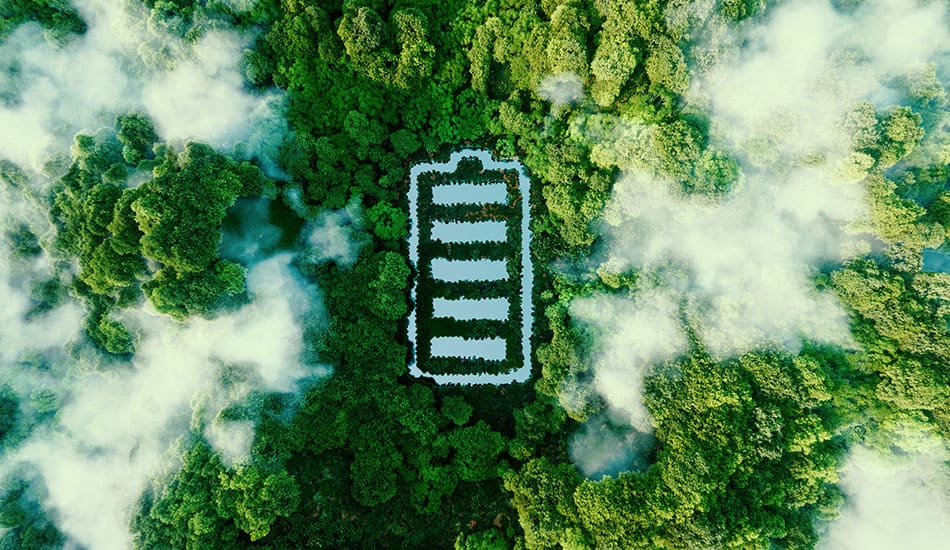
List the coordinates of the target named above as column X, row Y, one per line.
column 456, row 409
column 612, row 66
column 255, row 498
column 24, row 523
column 183, row 513
column 9, row 411
column 474, row 450
column 404, row 142
column 202, row 293
column 490, row 539
column 389, row 288
column 666, row 66
column 181, row 211
column 137, row 136
column 543, row 495
column 567, row 41
column 387, row 222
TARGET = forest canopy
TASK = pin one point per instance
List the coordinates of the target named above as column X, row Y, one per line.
column 740, row 213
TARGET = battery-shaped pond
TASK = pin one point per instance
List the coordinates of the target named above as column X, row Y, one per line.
column 469, row 244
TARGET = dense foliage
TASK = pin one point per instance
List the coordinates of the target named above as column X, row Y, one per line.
column 746, row 449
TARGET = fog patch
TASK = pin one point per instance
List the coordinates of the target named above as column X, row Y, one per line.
column 561, row 89
column 602, row 448
column 232, row 439
column 29, row 326
column 124, row 63
column 739, row 268
column 336, row 235
column 204, row 98
column 785, row 93
column 631, row 335
column 896, row 501
column 745, row 263
column 120, row 427
column 257, row 228
column 935, row 260
column 239, row 6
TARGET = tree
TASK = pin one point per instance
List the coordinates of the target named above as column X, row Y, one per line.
column 255, row 498
column 613, row 64
column 396, row 53
column 387, row 222
column 202, row 293
column 9, row 411
column 137, row 136
column 900, row 132
column 25, row 524
column 416, row 54
column 183, row 513
column 737, row 10
column 111, row 335
column 23, row 241
column 474, row 450
column 59, row 18
column 181, row 210
column 567, row 41
column 404, row 142
column 490, row 539
column 666, row 66
column 373, row 471
column 456, row 409
column 390, row 286
column 543, row 495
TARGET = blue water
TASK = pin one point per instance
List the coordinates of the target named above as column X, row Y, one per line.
column 470, row 193
column 489, row 349
column 469, row 232
column 482, row 196
column 467, row 309
column 453, row 271
column 934, row 260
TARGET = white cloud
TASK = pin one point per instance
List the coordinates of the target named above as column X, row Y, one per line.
column 120, row 423
column 600, row 448
column 121, row 64
column 336, row 235
column 892, row 502
column 562, row 89
column 777, row 93
column 119, row 427
column 632, row 335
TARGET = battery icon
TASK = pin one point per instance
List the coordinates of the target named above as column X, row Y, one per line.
column 469, row 244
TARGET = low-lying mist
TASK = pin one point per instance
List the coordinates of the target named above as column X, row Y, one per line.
column 119, row 424
column 125, row 62
column 893, row 501
column 780, row 95
column 92, row 430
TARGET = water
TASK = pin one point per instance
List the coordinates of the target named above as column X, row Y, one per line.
column 466, row 232
column 465, row 309
column 255, row 229
column 470, row 193
column 935, row 260
column 527, row 279
column 489, row 349
column 453, row 271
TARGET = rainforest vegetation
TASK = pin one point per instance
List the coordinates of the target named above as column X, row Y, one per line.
column 745, row 450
